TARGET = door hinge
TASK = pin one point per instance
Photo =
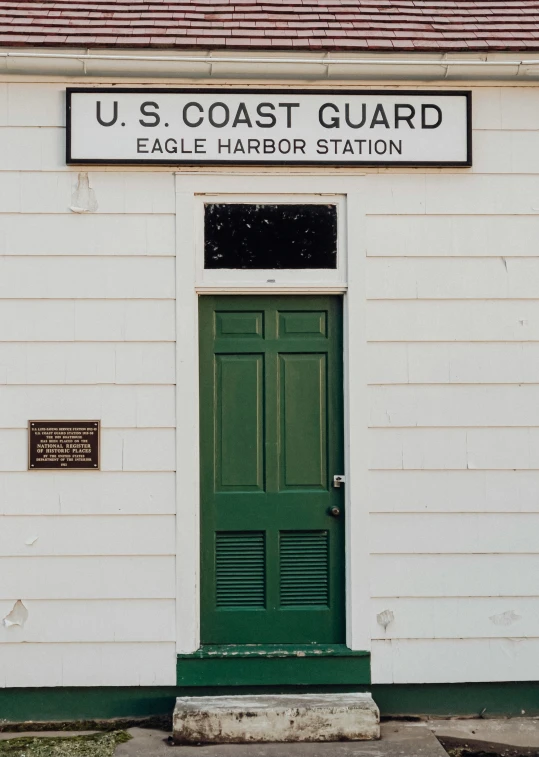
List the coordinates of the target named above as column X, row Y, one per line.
column 338, row 480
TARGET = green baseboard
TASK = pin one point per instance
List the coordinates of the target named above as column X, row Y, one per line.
column 439, row 700
column 505, row 699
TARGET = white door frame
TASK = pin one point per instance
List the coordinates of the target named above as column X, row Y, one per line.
column 348, row 280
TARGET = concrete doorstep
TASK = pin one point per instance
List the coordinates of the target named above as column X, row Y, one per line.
column 274, row 718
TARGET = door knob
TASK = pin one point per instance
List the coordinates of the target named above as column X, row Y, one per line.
column 335, row 511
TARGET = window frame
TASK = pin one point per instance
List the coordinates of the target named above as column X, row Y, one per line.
column 271, row 278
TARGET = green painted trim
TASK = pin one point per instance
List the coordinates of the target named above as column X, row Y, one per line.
column 442, row 700
column 202, row 669
column 507, row 699
column 272, row 650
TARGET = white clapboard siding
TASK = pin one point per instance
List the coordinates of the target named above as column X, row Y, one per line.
column 455, row 618
column 455, row 660
column 477, row 194
column 117, row 406
column 137, row 277
column 87, row 664
column 518, row 107
column 115, row 192
column 416, row 449
column 133, row 577
column 13, row 450
column 145, row 363
column 86, row 320
column 458, row 235
column 87, row 363
column 452, row 533
column 121, row 449
column 505, row 108
column 452, row 278
column 503, row 448
column 30, row 149
column 139, row 450
column 469, row 491
column 385, row 363
column 453, row 320
column 86, row 493
column 87, row 328
column 131, row 320
column 454, row 575
column 97, row 620
column 86, row 234
column 446, row 363
column 506, row 152
column 454, row 448
column 451, row 194
column 71, row 535
column 464, row 405
column 32, row 104
column 487, row 111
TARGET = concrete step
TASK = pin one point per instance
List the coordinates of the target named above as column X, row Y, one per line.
column 276, row 718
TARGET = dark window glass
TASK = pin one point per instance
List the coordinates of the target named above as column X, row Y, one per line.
column 270, row 236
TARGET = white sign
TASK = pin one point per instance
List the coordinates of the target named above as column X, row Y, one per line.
column 193, row 126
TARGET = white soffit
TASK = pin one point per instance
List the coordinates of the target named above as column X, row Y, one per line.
column 262, row 65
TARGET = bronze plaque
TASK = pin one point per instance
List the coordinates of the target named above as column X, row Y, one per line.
column 64, row 445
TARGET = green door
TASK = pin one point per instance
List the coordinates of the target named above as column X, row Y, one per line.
column 272, row 565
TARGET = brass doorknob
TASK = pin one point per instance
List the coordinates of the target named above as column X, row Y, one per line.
column 335, row 511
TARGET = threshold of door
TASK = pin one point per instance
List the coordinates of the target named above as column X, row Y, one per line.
column 274, row 650
column 274, row 665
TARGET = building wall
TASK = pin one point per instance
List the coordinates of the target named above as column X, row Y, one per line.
column 87, row 331
column 453, row 358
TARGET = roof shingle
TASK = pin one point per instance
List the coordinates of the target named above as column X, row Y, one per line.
column 398, row 25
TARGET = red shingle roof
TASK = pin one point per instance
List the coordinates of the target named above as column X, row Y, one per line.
column 353, row 25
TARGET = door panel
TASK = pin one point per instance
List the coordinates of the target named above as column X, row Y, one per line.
column 239, row 429
column 303, row 421
column 271, row 442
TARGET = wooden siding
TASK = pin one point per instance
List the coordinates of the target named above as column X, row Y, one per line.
column 453, row 362
column 87, row 329
column 455, row 660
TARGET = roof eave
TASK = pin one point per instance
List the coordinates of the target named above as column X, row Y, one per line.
column 260, row 65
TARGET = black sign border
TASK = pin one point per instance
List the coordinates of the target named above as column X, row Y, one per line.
column 74, row 467
column 207, row 90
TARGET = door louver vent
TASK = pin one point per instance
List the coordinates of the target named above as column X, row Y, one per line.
column 304, row 568
column 240, row 567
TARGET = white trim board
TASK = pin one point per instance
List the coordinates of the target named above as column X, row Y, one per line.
column 349, row 281
column 291, row 289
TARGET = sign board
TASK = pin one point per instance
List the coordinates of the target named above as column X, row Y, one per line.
column 64, row 445
column 280, row 127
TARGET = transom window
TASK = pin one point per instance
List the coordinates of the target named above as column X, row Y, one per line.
column 270, row 236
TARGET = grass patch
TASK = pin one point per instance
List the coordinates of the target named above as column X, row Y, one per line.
column 94, row 745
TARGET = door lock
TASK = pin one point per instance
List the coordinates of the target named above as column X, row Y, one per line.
column 338, row 480
column 335, row 511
